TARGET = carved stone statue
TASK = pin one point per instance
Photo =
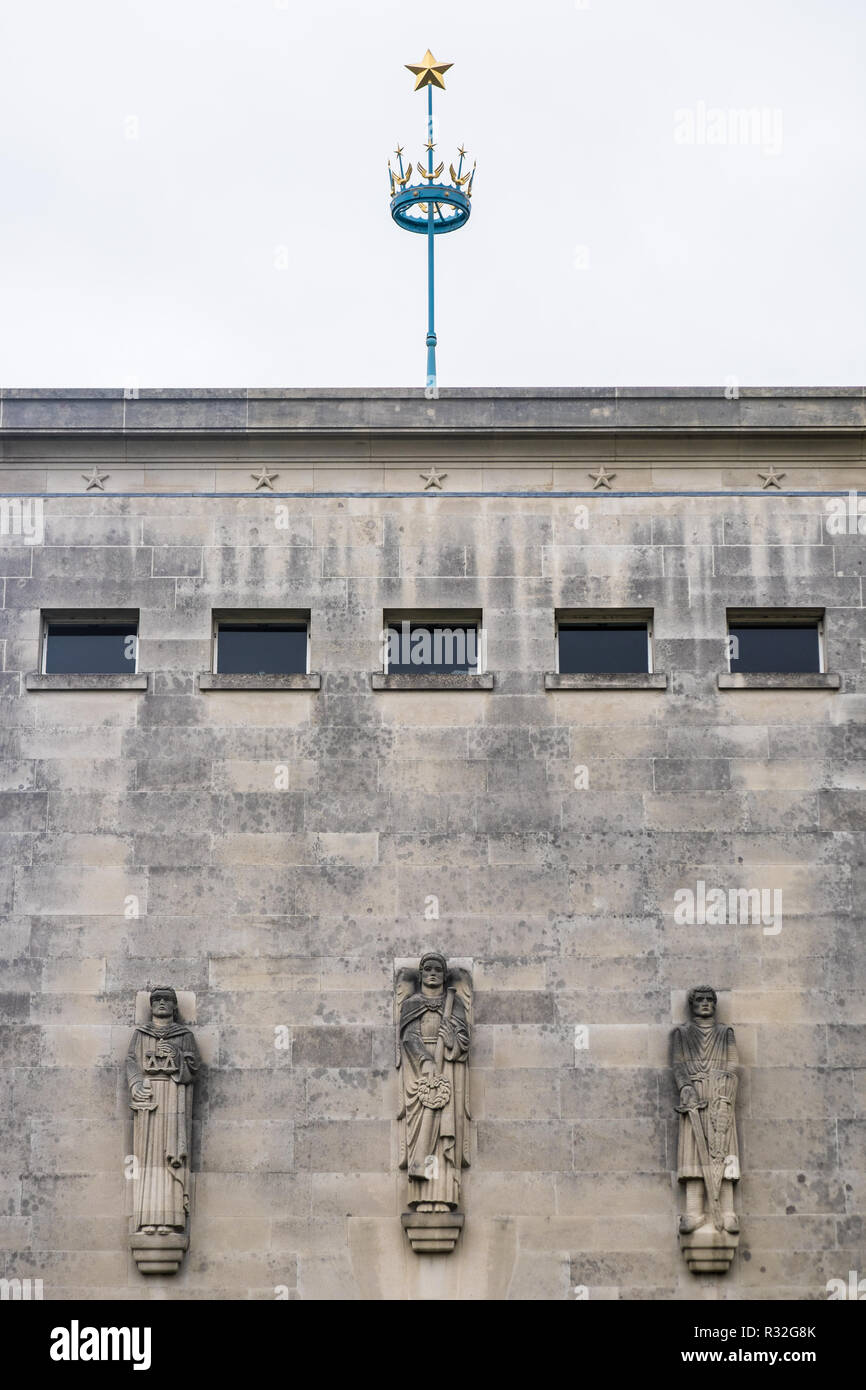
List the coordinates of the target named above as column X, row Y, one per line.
column 161, row 1068
column 704, row 1061
column 433, row 1008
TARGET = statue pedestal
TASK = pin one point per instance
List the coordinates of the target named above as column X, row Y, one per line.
column 708, row 1251
column 432, row 1232
column 158, row 1254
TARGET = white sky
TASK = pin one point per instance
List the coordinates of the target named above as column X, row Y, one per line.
column 601, row 249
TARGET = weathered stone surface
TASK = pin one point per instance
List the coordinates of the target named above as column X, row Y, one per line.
column 146, row 837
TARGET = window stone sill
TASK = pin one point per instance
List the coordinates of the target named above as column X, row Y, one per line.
column 623, row 680
column 459, row 680
column 36, row 680
column 209, row 680
column 778, row 680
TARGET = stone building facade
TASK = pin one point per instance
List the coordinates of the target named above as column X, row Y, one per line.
column 273, row 852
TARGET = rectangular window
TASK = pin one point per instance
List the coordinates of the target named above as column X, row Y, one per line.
column 427, row 647
column 91, row 644
column 609, row 647
column 261, row 648
column 774, row 646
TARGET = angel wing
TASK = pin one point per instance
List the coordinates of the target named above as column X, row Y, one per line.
column 460, row 981
column 407, row 982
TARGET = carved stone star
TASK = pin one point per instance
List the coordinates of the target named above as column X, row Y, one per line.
column 771, row 479
column 265, row 478
column 428, row 73
column 601, row 478
column 432, row 479
column 95, row 479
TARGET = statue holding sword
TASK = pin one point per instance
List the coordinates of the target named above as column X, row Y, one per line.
column 704, row 1061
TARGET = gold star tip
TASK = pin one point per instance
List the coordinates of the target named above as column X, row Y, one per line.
column 428, row 73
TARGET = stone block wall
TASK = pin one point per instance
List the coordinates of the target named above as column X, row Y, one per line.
column 145, row 842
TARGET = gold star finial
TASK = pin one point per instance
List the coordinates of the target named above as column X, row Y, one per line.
column 399, row 149
column 461, row 151
column 428, row 73
column 430, row 145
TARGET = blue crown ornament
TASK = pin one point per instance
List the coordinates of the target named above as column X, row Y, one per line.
column 430, row 207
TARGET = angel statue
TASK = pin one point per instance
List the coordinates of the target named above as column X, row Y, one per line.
column 433, row 1009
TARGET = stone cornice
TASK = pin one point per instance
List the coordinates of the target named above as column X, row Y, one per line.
column 403, row 412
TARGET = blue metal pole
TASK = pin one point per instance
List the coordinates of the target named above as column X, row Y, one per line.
column 431, row 238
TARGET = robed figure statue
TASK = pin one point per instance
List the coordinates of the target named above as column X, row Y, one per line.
column 704, row 1061
column 433, row 1018
column 161, row 1067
